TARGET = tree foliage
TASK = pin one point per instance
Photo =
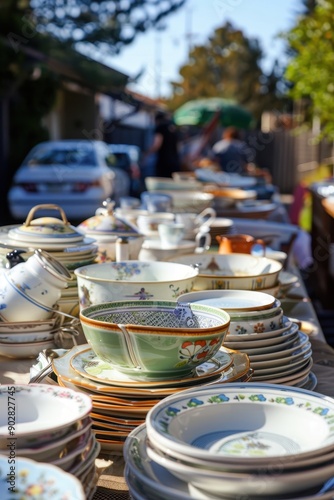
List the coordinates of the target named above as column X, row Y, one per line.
column 109, row 25
column 228, row 66
column 310, row 71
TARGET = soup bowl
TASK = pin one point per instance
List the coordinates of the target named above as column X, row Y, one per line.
column 154, row 339
column 133, row 280
column 235, row 271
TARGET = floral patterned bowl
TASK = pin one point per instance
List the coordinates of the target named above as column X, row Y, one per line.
column 26, row 479
column 154, row 339
column 133, row 280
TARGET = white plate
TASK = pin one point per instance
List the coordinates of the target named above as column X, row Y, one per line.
column 279, row 371
column 231, row 300
column 275, row 348
column 286, row 351
column 289, row 360
column 282, row 379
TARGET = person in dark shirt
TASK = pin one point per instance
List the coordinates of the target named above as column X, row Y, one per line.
column 231, row 152
column 165, row 146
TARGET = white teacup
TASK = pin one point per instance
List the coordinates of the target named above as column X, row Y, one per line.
column 148, row 223
column 171, row 234
column 192, row 221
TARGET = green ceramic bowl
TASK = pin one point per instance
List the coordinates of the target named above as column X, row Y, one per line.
column 154, row 339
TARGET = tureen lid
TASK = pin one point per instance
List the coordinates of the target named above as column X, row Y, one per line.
column 46, row 229
column 105, row 222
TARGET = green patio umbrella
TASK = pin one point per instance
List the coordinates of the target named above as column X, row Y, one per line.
column 201, row 111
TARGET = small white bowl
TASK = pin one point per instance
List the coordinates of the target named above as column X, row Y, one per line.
column 133, row 280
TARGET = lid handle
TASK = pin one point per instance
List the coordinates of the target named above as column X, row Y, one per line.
column 45, row 207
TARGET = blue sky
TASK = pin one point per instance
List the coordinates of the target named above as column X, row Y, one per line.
column 161, row 55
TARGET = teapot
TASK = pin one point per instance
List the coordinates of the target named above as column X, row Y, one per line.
column 30, row 289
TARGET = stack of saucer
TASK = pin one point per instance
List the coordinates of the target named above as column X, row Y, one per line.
column 121, row 402
column 55, row 427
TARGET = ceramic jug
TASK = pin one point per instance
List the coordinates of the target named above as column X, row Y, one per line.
column 30, row 289
column 238, row 243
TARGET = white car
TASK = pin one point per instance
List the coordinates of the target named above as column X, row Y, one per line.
column 76, row 175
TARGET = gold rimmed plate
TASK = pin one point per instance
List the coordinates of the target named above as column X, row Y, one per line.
column 68, row 377
column 88, row 365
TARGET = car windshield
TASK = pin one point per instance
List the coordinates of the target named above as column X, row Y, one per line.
column 71, row 156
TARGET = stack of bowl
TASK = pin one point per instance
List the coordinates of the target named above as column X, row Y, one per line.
column 237, row 271
column 278, row 351
column 139, row 352
column 54, row 427
column 255, row 441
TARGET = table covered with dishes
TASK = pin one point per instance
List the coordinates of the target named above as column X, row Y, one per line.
column 128, row 337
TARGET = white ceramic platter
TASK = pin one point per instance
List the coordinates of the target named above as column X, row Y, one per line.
column 292, row 341
column 279, row 371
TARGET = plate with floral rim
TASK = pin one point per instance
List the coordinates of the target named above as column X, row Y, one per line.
column 90, row 366
column 69, row 378
column 254, row 342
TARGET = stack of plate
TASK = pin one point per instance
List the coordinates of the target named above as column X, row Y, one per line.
column 278, row 351
column 255, row 441
column 121, row 403
column 27, row 339
column 54, row 427
column 219, row 227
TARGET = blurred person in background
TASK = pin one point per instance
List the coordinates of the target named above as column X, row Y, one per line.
column 164, row 147
column 231, row 153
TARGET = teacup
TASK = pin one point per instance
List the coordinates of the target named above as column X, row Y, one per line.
column 129, row 202
column 157, row 202
column 238, row 243
column 148, row 223
column 171, row 234
column 192, row 221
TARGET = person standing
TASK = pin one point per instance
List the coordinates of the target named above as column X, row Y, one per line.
column 165, row 146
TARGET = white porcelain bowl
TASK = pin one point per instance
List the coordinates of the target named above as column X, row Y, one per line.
column 37, row 480
column 243, row 423
column 232, row 271
column 133, row 280
column 50, row 412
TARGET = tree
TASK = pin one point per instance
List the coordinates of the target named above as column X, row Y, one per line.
column 228, row 66
column 106, row 24
column 310, row 71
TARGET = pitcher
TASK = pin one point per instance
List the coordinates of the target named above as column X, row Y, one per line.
column 239, row 243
